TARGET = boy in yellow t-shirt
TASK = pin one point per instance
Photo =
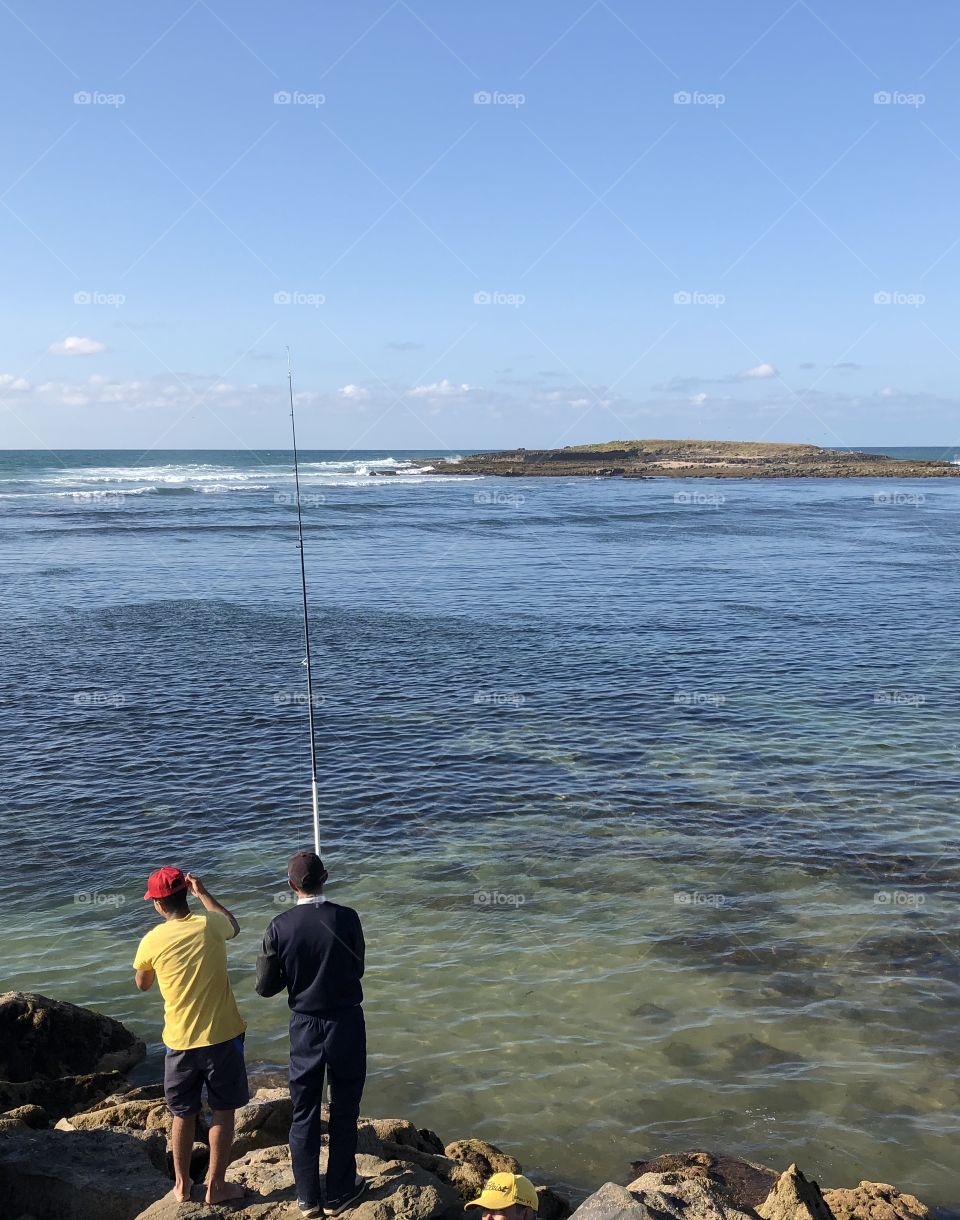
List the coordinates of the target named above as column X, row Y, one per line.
column 203, row 1029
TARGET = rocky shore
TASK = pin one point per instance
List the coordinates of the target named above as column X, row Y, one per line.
column 685, row 459
column 78, row 1142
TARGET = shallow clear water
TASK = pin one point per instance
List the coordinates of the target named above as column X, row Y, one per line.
column 649, row 807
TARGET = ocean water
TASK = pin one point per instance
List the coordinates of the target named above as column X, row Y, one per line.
column 646, row 791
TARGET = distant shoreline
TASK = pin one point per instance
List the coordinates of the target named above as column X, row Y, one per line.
column 684, row 459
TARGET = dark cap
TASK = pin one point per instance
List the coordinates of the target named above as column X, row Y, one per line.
column 306, row 872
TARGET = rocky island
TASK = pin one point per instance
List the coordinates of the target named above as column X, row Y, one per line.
column 79, row 1142
column 686, row 459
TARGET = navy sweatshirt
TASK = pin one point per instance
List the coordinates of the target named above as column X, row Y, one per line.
column 315, row 950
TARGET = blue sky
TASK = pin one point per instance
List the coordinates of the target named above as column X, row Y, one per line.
column 479, row 224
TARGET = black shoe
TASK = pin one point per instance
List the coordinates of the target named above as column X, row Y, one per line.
column 336, row 1206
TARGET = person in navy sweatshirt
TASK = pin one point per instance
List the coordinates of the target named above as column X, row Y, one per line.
column 315, row 950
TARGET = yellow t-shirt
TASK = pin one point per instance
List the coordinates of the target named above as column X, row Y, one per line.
column 190, row 958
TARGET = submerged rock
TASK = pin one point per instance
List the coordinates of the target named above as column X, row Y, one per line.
column 43, row 1038
column 742, row 1184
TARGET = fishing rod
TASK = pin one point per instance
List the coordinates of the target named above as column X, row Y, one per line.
column 306, row 619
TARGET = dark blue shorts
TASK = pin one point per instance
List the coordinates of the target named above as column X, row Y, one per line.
column 221, row 1068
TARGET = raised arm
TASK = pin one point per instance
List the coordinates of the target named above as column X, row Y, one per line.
column 200, row 891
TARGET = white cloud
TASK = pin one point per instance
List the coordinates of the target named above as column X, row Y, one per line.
column 760, row 371
column 355, row 392
column 74, row 345
column 8, row 381
column 698, row 398
column 440, row 389
column 888, row 392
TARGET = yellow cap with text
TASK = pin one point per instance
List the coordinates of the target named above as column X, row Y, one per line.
column 505, row 1189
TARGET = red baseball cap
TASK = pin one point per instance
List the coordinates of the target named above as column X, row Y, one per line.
column 164, row 882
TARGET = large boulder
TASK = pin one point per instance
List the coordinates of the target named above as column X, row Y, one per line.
column 613, row 1202
column 740, row 1183
column 43, row 1038
column 80, row 1175
column 875, row 1201
column 485, row 1158
column 264, row 1122
column 689, row 1196
column 794, row 1198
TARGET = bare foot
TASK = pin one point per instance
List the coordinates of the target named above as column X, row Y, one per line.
column 181, row 1191
column 223, row 1192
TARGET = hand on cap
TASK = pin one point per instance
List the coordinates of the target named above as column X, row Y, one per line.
column 195, row 885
